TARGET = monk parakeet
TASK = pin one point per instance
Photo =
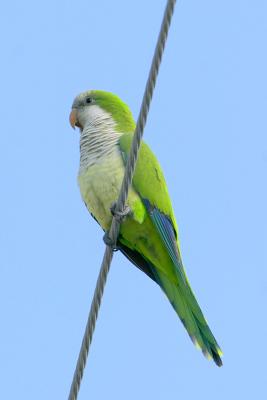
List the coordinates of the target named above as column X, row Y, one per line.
column 148, row 235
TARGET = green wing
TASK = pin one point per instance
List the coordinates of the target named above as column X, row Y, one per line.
column 148, row 178
column 149, row 182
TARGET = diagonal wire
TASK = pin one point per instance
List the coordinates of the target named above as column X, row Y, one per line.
column 121, row 203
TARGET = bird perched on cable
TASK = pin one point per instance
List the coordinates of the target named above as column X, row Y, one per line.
column 148, row 234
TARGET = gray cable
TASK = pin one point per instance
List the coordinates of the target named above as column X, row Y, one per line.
column 121, row 203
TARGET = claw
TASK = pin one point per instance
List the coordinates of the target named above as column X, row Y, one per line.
column 120, row 215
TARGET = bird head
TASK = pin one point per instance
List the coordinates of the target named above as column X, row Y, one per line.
column 95, row 105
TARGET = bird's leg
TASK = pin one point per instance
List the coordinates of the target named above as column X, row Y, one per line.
column 120, row 217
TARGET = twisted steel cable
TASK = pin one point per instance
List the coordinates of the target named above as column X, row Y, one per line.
column 121, row 208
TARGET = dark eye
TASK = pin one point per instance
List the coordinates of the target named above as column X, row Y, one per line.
column 88, row 100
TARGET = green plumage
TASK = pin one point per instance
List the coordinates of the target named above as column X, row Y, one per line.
column 149, row 182
column 149, row 237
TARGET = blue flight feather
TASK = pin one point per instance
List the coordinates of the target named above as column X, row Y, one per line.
column 167, row 233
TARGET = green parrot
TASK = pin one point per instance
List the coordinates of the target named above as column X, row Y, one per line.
column 148, row 235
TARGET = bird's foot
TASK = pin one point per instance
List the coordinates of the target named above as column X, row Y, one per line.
column 120, row 215
column 109, row 242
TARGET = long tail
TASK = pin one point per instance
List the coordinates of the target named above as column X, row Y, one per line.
column 187, row 308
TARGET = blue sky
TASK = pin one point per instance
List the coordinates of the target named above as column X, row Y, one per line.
column 207, row 126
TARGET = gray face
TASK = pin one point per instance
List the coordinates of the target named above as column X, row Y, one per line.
column 85, row 110
column 84, row 99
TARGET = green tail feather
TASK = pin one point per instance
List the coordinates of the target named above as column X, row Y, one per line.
column 186, row 306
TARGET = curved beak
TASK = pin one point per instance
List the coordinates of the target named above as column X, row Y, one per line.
column 73, row 118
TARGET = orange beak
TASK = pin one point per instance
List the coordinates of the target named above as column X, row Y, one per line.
column 73, row 118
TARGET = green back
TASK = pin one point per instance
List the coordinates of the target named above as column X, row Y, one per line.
column 148, row 178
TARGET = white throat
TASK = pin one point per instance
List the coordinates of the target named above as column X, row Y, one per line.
column 98, row 138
